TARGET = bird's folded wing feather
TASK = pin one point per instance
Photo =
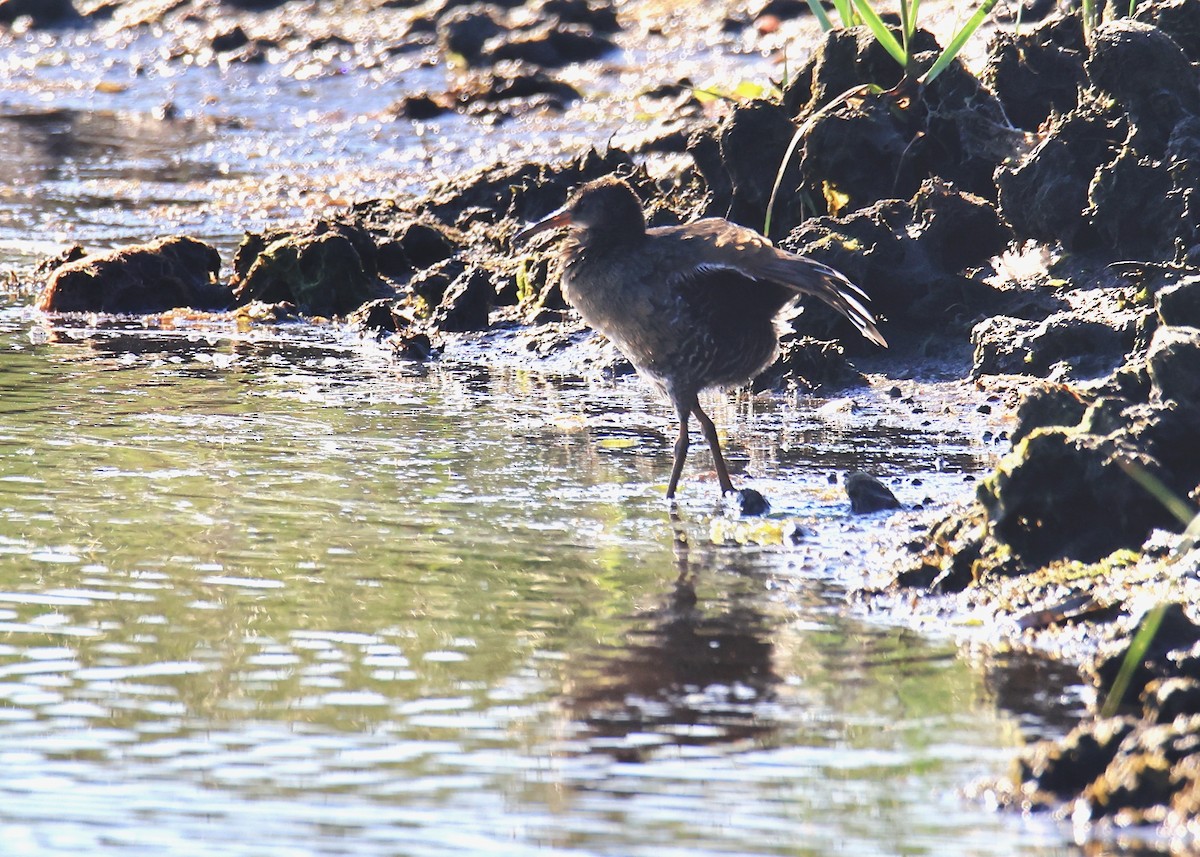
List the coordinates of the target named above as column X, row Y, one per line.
column 713, row 244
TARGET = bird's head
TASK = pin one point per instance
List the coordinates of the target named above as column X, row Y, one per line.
column 605, row 206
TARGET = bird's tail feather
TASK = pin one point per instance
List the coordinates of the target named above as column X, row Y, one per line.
column 831, row 286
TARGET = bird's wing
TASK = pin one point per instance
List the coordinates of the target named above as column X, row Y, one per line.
column 714, row 244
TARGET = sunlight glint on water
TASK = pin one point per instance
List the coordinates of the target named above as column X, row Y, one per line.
column 286, row 597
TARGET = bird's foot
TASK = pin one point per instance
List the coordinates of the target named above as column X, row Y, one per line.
column 747, row 502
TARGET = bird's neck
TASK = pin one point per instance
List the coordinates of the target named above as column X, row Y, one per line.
column 612, row 242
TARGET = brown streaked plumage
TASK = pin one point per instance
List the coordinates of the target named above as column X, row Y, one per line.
column 693, row 307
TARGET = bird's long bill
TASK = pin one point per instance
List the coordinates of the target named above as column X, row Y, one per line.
column 561, row 217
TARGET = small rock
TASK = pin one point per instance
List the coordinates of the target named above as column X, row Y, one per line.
column 1179, row 304
column 867, row 494
column 1174, row 364
column 467, row 302
column 749, row 503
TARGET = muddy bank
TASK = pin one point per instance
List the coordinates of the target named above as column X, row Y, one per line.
column 1036, row 221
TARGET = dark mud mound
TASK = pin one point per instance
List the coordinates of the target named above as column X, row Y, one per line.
column 1037, row 74
column 460, row 232
column 1064, row 343
column 1141, row 767
column 1074, row 486
column 894, row 188
column 510, row 88
column 1119, row 169
column 330, row 269
column 868, row 495
column 556, row 34
column 1179, row 19
column 39, row 13
column 808, row 365
column 855, row 151
column 911, row 257
column 739, row 160
column 147, row 278
column 1075, row 525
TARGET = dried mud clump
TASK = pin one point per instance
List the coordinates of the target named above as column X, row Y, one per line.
column 1074, row 485
column 1038, row 73
column 878, row 146
column 739, row 161
column 1141, row 767
column 854, row 151
column 508, row 89
column 448, row 256
column 330, row 269
column 1071, row 524
column 1063, row 341
column 808, row 365
column 910, row 256
column 1119, row 169
column 553, row 35
column 146, row 278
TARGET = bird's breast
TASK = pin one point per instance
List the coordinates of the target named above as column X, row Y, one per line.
column 626, row 307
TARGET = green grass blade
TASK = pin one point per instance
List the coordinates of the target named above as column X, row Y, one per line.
column 905, row 26
column 881, row 33
column 913, row 9
column 845, row 11
column 783, row 165
column 960, row 38
column 1133, row 659
column 1154, row 486
column 796, row 138
column 1191, row 537
column 819, row 13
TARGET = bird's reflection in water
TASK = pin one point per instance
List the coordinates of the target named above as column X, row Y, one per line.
column 691, row 673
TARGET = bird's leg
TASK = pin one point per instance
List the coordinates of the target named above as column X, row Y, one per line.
column 683, row 409
column 714, row 443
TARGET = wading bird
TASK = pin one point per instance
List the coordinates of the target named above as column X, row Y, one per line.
column 693, row 307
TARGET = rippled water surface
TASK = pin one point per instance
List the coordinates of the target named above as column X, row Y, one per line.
column 276, row 594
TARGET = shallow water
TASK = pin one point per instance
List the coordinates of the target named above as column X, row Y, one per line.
column 273, row 593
